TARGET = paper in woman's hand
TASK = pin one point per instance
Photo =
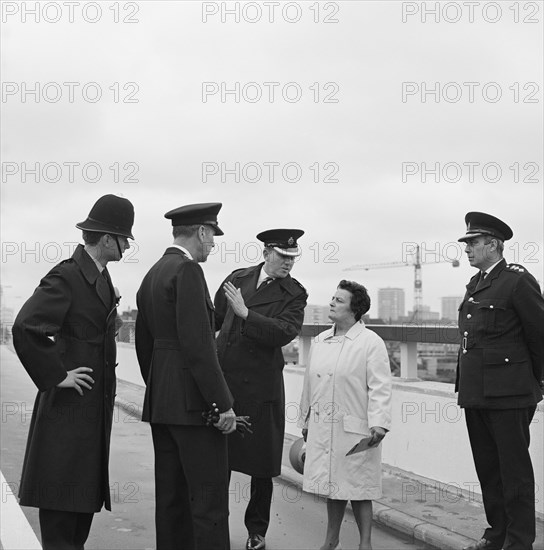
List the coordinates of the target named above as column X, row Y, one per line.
column 363, row 445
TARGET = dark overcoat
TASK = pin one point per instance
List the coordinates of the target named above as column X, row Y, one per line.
column 68, row 323
column 501, row 361
column 175, row 343
column 252, row 360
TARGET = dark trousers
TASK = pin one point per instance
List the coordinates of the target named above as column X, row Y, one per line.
column 257, row 515
column 500, row 447
column 64, row 530
column 191, row 488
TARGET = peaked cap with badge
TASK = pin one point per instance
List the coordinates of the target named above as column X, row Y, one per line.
column 283, row 241
column 479, row 223
column 197, row 214
column 499, row 378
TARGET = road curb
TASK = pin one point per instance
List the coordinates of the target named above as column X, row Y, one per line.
column 433, row 535
column 429, row 533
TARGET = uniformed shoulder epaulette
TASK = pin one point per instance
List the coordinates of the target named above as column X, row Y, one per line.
column 296, row 282
column 516, row 268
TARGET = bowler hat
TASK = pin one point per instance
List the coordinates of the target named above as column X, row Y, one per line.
column 110, row 214
column 479, row 223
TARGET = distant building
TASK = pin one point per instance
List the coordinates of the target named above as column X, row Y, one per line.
column 127, row 329
column 316, row 315
column 450, row 305
column 425, row 315
column 6, row 319
column 390, row 304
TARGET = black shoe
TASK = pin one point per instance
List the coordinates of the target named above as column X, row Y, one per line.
column 255, row 542
column 483, row 544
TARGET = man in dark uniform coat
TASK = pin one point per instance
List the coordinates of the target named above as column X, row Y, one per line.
column 64, row 336
column 260, row 309
column 500, row 368
column 178, row 359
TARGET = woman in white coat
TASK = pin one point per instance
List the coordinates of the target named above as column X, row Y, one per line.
column 346, row 399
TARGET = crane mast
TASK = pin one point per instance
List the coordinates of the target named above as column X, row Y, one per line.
column 418, row 283
column 418, row 287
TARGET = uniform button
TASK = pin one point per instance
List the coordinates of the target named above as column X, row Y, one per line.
column 464, row 351
column 506, row 360
column 491, row 306
column 465, row 333
column 469, row 316
column 471, row 299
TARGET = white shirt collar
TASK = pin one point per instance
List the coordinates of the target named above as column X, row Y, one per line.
column 184, row 250
column 262, row 276
column 99, row 266
column 490, row 268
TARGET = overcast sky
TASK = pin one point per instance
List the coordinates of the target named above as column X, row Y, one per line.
column 185, row 96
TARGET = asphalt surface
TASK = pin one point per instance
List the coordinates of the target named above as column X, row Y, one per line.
column 298, row 519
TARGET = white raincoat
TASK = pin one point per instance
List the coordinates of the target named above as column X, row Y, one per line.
column 347, row 390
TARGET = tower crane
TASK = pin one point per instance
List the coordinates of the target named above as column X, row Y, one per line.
column 418, row 285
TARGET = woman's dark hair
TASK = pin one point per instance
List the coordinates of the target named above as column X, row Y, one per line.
column 360, row 300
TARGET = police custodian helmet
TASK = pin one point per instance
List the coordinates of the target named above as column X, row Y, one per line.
column 110, row 214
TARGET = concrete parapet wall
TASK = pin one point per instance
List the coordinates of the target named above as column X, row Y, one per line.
column 428, row 436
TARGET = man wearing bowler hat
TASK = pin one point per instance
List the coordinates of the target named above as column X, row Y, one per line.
column 499, row 376
column 260, row 309
column 175, row 344
column 64, row 336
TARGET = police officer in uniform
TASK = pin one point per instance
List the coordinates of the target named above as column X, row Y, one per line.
column 175, row 344
column 499, row 376
column 64, row 336
column 259, row 309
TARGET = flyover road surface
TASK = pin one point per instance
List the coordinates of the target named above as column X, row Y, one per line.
column 298, row 519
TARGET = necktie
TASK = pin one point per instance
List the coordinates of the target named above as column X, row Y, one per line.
column 481, row 280
column 103, row 288
column 264, row 282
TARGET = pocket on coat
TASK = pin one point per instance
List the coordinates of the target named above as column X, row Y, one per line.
column 507, row 373
column 355, row 425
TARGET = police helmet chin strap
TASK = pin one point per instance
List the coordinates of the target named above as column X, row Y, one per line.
column 118, row 246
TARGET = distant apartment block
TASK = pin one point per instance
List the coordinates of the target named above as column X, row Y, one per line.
column 390, row 304
column 450, row 305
